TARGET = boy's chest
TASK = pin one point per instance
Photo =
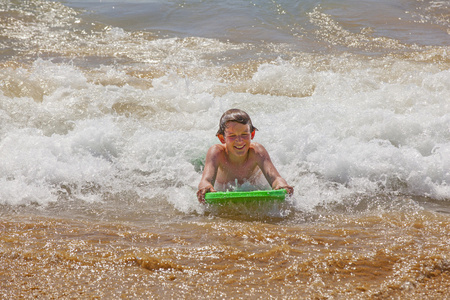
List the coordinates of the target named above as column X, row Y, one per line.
column 229, row 173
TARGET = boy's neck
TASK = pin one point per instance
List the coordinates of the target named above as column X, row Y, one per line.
column 234, row 159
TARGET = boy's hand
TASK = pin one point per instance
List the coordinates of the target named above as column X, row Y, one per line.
column 201, row 193
column 288, row 188
column 282, row 184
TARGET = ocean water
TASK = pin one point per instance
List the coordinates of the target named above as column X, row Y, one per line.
column 107, row 109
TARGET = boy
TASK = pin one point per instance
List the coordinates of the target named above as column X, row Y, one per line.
column 237, row 160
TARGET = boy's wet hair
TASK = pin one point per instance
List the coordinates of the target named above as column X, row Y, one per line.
column 234, row 115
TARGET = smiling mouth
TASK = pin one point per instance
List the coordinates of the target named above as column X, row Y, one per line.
column 239, row 148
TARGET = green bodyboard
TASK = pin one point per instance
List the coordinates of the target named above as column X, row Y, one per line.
column 242, row 197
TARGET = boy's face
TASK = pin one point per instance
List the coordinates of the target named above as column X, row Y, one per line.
column 237, row 138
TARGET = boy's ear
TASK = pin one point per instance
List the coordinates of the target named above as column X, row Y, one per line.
column 253, row 134
column 221, row 138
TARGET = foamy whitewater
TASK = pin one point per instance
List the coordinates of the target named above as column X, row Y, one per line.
column 107, row 110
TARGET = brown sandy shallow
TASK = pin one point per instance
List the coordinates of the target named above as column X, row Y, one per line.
column 391, row 255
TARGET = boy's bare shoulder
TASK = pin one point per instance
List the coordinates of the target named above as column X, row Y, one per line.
column 259, row 152
column 258, row 148
column 216, row 150
column 217, row 147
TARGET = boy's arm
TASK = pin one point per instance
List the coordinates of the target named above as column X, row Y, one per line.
column 270, row 172
column 209, row 173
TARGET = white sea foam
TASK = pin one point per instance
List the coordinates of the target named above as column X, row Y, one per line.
column 358, row 132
